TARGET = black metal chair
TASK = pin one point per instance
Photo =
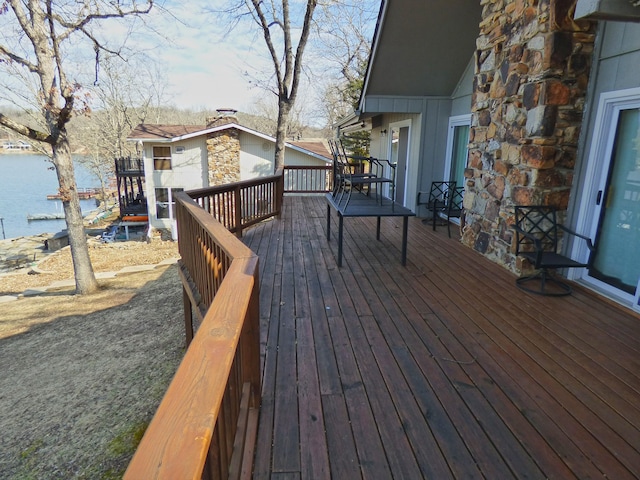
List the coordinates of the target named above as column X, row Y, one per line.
column 537, row 236
column 438, row 200
column 351, row 175
column 455, row 198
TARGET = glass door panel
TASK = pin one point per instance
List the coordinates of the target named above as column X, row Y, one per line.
column 459, row 154
column 617, row 257
column 399, row 156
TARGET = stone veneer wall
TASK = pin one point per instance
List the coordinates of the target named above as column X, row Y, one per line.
column 532, row 70
column 223, row 152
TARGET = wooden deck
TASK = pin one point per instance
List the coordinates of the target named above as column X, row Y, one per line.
column 440, row 369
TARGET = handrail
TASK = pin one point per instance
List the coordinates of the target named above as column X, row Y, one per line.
column 308, row 178
column 239, row 205
column 205, row 425
column 128, row 164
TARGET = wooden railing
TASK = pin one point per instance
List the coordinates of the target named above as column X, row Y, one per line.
column 129, row 165
column 242, row 204
column 308, row 179
column 206, row 425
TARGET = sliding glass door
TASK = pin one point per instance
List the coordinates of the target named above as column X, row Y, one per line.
column 617, row 257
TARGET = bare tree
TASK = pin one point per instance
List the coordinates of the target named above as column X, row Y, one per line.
column 267, row 112
column 278, row 22
column 344, row 31
column 36, row 38
column 126, row 94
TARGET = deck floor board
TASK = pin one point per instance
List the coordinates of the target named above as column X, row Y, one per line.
column 440, row 369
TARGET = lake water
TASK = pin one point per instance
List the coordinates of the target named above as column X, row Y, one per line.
column 25, row 182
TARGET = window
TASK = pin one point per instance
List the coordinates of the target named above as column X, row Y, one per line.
column 457, row 148
column 165, row 204
column 162, row 158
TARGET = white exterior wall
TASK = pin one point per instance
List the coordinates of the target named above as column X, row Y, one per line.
column 188, row 171
column 257, row 156
column 295, row 157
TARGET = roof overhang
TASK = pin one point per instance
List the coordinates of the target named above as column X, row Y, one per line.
column 421, row 48
column 618, row 10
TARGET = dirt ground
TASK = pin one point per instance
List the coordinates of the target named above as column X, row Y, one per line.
column 84, row 375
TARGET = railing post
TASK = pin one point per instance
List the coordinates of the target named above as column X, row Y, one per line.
column 251, row 347
column 279, row 193
column 238, row 210
column 188, row 316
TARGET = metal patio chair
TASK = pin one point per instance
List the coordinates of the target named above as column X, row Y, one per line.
column 455, row 198
column 537, row 237
column 437, row 200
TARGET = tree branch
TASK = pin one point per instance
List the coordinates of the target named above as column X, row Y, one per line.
column 304, row 36
column 24, row 130
column 22, row 61
column 86, row 20
column 262, row 21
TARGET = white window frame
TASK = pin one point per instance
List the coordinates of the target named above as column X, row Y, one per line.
column 455, row 121
column 604, row 133
column 407, row 123
column 153, row 158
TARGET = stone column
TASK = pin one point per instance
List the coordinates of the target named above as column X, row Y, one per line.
column 223, row 149
column 532, row 70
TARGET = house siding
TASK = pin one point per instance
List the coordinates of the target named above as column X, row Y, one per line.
column 616, row 67
column 188, row 171
column 257, row 154
column 294, row 157
column 462, row 95
column 393, row 104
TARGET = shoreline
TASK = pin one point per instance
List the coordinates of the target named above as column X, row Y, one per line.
column 26, row 251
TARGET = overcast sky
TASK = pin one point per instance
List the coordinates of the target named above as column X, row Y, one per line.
column 205, row 67
column 208, row 67
column 205, row 64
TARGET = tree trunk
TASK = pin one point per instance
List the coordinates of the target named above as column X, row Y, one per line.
column 83, row 270
column 284, row 107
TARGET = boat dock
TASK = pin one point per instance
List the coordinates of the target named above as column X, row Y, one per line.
column 83, row 194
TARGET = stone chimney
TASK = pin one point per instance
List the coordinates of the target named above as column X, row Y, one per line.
column 532, row 70
column 223, row 148
column 223, row 116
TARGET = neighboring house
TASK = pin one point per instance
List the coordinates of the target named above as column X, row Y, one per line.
column 523, row 102
column 18, row 145
column 186, row 157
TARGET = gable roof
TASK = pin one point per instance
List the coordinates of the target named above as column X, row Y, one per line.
column 421, row 48
column 176, row 133
column 147, row 131
column 315, row 146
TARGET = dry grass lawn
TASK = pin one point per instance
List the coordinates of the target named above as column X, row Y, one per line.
column 82, row 376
